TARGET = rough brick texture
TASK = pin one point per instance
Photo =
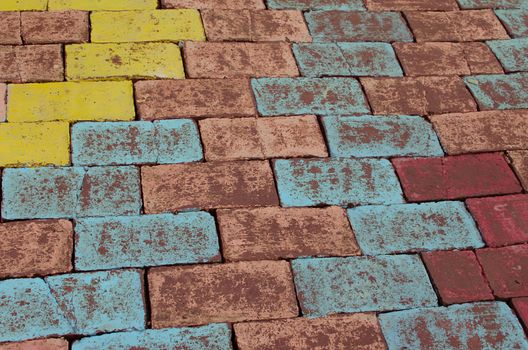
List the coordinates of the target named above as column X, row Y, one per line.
column 31, row 63
column 44, row 344
column 411, row 5
column 10, row 31
column 3, row 102
column 55, row 27
column 520, row 163
column 521, row 306
column 501, row 91
column 213, row 4
column 515, row 22
column 318, row 4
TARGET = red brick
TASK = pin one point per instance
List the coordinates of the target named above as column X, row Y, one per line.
column 168, row 188
column 471, row 175
column 3, row 102
column 408, row 5
column 239, row 60
column 420, row 95
column 55, row 27
column 31, row 248
column 163, row 99
column 10, row 28
column 457, row 276
column 213, row 4
column 521, row 306
column 246, row 138
column 355, row 331
column 31, row 63
column 480, row 59
column 506, row 269
column 501, row 220
column 42, row 344
column 472, row 25
column 200, row 294
column 255, row 25
column 520, row 164
column 274, row 233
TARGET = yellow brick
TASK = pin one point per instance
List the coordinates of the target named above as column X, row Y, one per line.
column 34, row 144
column 23, row 5
column 98, row 5
column 123, row 60
column 150, row 25
column 103, row 100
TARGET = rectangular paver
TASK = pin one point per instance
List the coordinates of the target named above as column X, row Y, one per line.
column 411, row 5
column 214, row 4
column 520, row 165
column 3, row 102
column 10, row 28
column 99, row 5
column 346, row 5
column 512, row 54
column 39, row 344
column 23, row 5
column 499, row 91
column 31, row 63
column 515, row 22
column 480, row 4
column 55, row 27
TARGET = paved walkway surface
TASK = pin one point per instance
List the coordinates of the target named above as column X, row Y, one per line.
column 250, row 174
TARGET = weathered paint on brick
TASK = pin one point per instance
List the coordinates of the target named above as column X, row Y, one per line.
column 480, row 4
column 519, row 160
column 411, row 5
column 3, row 101
column 23, row 5
column 70, row 101
column 345, row 5
column 41, row 344
column 214, row 4
column 487, row 325
column 283, row 96
column 515, row 21
column 414, row 227
column 499, row 91
column 99, row 5
column 10, row 28
column 55, row 27
column 337, row 285
column 31, row 63
column 379, row 136
column 521, row 306
column 146, row 240
column 347, row 59
column 512, row 54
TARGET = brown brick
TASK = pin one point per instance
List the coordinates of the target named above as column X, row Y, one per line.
column 275, row 233
column 520, row 164
column 194, row 98
column 200, row 294
column 245, row 138
column 239, row 60
column 3, row 102
column 55, row 27
column 410, row 5
column 213, row 4
column 31, row 248
column 480, row 59
column 31, row 63
column 355, row 331
column 208, row 185
column 41, row 344
column 10, row 28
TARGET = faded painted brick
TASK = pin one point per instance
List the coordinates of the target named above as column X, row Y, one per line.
column 10, row 28
column 357, row 284
column 146, row 240
column 194, row 98
column 42, row 344
column 379, row 136
column 23, row 5
column 3, row 101
column 486, row 325
column 347, row 59
column 233, row 292
column 480, row 4
column 500, row 91
column 356, row 331
column 457, row 276
column 411, row 5
column 414, row 227
column 480, row 58
column 418, row 95
column 345, row 5
column 283, row 96
column 512, row 54
column 521, row 306
column 246, row 138
column 255, row 25
column 166, row 141
column 471, row 175
column 31, row 248
column 214, row 4
column 99, row 5
column 519, row 160
column 275, row 233
column 31, row 63
column 239, row 60
column 207, row 185
column 515, row 22
column 55, row 27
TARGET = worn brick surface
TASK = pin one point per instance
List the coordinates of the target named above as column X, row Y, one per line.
column 213, row 4
column 55, row 27
column 44, row 344
column 10, row 32
column 318, row 4
column 499, row 91
column 515, row 22
column 478, row 4
column 32, row 63
column 411, row 5
column 23, row 5
column 3, row 102
column 520, row 164
column 521, row 306
column 99, row 5
column 512, row 54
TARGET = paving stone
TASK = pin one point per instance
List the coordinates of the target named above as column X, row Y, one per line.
column 23, row 5
column 233, row 292
column 506, row 269
column 10, row 28
column 487, row 325
column 470, row 175
column 471, row 25
column 146, row 240
column 275, row 233
column 246, row 138
column 356, row 331
column 71, row 101
column 414, row 227
column 457, row 276
column 519, row 161
column 31, row 63
column 168, row 188
column 511, row 53
column 357, row 284
column 55, row 27
column 521, row 306
column 282, row 96
column 124, row 60
column 239, row 60
column 379, row 136
column 347, row 59
column 500, row 91
column 214, row 4
column 43, row 344
column 37, row 247
column 515, row 22
column 98, row 5
column 418, row 95
column 255, row 25
column 480, row 4
column 480, row 58
column 194, row 98
column 3, row 101
column 411, row 5
column 357, row 26
column 345, row 5
column 148, row 25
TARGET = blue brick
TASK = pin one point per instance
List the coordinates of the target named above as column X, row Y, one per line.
column 336, row 181
column 499, row 91
column 344, row 5
column 283, row 96
column 483, row 4
column 178, row 141
column 380, row 136
column 147, row 240
column 486, row 326
column 414, row 227
column 210, row 337
column 357, row 284
column 512, row 54
column 515, row 21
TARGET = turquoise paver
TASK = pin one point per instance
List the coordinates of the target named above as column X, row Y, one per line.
column 515, row 21
column 138, row 142
column 284, row 96
column 146, row 240
column 499, row 91
column 408, row 228
column 381, row 136
column 347, row 59
column 485, row 326
column 348, row 5
column 512, row 54
column 484, row 4
column 357, row 284
column 336, row 181
column 211, row 337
